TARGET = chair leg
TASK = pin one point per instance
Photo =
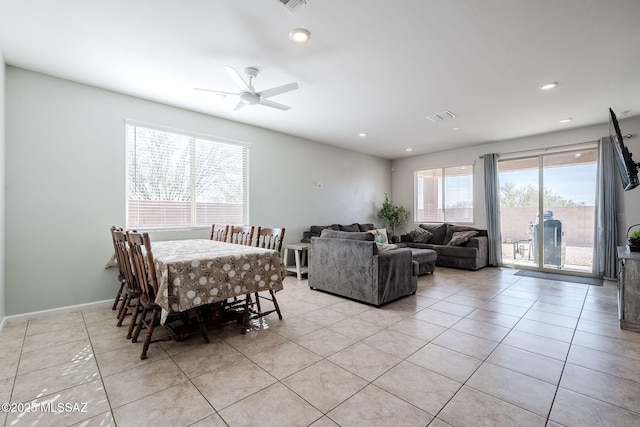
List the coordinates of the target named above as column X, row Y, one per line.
column 275, row 303
column 121, row 307
column 123, row 310
column 134, row 319
column 139, row 323
column 150, row 329
column 245, row 315
column 203, row 328
column 118, row 296
column 258, row 303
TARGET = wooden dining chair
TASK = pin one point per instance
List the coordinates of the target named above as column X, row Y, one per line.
column 219, row 232
column 177, row 324
column 130, row 303
column 268, row 238
column 121, row 275
column 240, row 234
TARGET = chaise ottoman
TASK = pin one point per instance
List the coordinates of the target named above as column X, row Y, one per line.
column 426, row 259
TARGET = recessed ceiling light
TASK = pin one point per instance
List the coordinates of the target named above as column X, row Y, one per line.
column 549, row 85
column 299, row 35
column 362, row 134
column 455, row 129
column 567, row 120
column 408, row 149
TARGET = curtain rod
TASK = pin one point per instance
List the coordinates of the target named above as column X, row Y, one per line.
column 587, row 144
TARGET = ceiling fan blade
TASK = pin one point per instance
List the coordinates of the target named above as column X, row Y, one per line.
column 215, row 91
column 239, row 106
column 272, row 104
column 278, row 90
column 237, row 78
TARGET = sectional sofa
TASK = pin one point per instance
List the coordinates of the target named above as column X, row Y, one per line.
column 457, row 246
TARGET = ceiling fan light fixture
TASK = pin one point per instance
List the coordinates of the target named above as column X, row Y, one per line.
column 299, row 35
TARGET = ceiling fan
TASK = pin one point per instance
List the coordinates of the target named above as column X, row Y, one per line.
column 248, row 95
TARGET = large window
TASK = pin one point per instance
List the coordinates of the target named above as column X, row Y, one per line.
column 177, row 179
column 444, row 195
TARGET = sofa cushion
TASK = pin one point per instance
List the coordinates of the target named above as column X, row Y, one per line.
column 379, row 235
column 351, row 228
column 439, row 232
column 366, row 227
column 337, row 234
column 316, row 230
column 455, row 251
column 459, row 238
column 454, row 229
column 420, row 235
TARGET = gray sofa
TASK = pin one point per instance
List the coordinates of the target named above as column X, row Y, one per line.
column 470, row 254
column 350, row 264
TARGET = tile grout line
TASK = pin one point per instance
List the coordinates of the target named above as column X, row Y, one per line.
column 564, row 365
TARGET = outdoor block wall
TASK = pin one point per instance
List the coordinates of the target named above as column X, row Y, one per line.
column 577, row 223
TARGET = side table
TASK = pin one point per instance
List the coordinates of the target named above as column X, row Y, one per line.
column 301, row 254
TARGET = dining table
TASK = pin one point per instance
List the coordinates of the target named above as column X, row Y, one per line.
column 199, row 272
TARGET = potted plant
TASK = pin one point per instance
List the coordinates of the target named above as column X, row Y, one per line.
column 392, row 215
column 634, row 239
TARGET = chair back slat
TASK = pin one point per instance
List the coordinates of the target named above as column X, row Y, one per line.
column 270, row 238
column 241, row 234
column 124, row 260
column 141, row 263
column 219, row 232
column 118, row 253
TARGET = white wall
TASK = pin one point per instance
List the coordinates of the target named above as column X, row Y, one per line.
column 65, row 164
column 2, row 186
column 403, row 169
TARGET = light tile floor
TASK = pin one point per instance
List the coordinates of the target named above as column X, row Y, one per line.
column 484, row 348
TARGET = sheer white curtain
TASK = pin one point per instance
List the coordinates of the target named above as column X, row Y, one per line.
column 605, row 262
column 492, row 203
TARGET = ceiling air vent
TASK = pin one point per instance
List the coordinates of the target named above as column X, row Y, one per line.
column 292, row 5
column 438, row 117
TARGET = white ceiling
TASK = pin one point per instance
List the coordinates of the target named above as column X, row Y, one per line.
column 374, row 66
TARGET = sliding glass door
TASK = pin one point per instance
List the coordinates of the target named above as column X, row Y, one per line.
column 547, row 207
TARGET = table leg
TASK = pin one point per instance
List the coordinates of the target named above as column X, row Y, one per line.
column 298, row 265
column 286, row 256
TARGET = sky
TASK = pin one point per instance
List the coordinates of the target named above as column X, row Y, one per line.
column 577, row 183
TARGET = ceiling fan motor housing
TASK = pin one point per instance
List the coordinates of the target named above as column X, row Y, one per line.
column 249, row 98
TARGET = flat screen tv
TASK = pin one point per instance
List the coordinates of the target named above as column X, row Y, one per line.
column 626, row 166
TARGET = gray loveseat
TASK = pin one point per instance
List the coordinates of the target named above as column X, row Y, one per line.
column 467, row 254
column 350, row 264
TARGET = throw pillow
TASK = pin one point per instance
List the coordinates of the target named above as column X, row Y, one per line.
column 438, row 230
column 455, row 228
column 459, row 238
column 379, row 235
column 386, row 247
column 366, row 227
column 420, row 235
column 352, row 227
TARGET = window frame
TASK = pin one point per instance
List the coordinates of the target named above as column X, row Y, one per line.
column 442, row 194
column 194, row 138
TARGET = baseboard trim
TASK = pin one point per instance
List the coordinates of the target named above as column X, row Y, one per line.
column 43, row 313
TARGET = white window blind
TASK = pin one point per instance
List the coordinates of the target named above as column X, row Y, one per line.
column 176, row 179
column 444, row 195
